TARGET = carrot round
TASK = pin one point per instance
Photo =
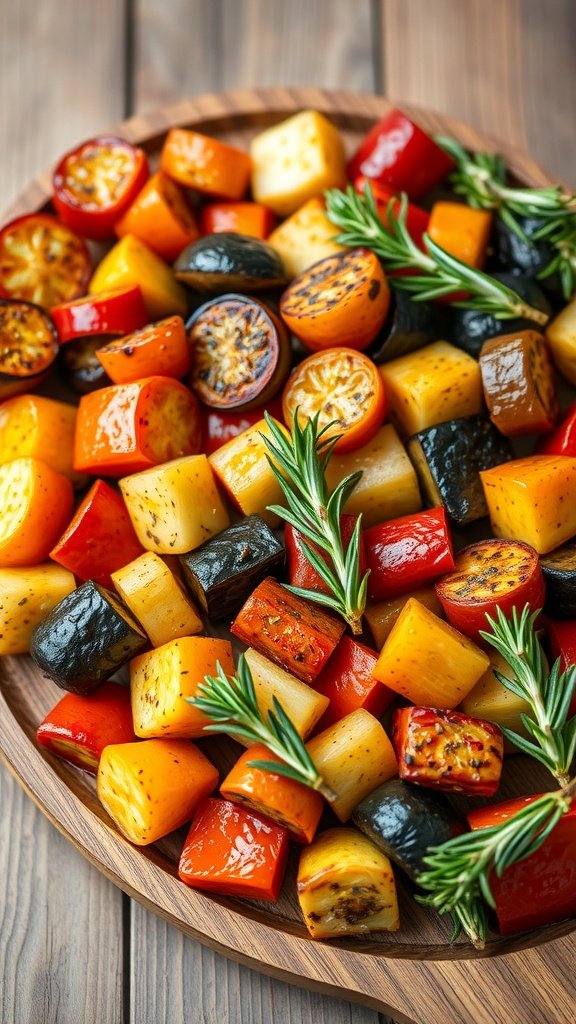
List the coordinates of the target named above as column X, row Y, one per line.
column 160, row 349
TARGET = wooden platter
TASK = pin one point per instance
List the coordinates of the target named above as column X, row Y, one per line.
column 415, row 975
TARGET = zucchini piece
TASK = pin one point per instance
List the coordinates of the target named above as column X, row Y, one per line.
column 404, row 822
column 86, row 638
column 409, row 326
column 448, row 458
column 228, row 261
column 470, row 328
column 559, row 568
column 224, row 571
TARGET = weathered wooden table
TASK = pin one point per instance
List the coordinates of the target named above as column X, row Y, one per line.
column 73, row 949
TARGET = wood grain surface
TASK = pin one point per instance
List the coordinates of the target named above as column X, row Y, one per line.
column 69, row 952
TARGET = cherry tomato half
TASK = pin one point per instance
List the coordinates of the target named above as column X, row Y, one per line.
column 42, row 261
column 95, row 183
column 115, row 312
column 341, row 385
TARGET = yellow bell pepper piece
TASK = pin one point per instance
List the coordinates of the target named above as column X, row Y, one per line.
column 130, row 262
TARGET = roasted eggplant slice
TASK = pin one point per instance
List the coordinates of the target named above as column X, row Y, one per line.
column 448, row 458
column 228, row 261
column 86, row 638
column 559, row 568
column 470, row 328
column 409, row 326
column 528, row 255
column 28, row 346
column 82, row 370
column 224, row 571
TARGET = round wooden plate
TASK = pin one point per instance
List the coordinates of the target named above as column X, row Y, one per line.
column 415, row 975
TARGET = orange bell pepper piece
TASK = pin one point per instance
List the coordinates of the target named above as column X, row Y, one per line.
column 161, row 217
column 35, row 505
column 158, row 349
column 462, row 231
column 79, row 727
column 246, row 218
column 205, row 164
column 31, row 425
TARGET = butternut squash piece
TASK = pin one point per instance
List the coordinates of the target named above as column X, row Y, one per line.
column 382, row 616
column 157, row 599
column 296, row 160
column 130, row 262
column 303, row 705
column 175, row 507
column 163, row 679
column 427, row 661
column 561, row 333
column 346, row 886
column 35, row 507
column 461, row 230
column 533, row 500
column 354, row 756
column 305, row 237
column 491, row 700
column 244, row 472
column 388, row 487
column 31, row 425
column 151, row 788
column 434, row 384
column 26, row 597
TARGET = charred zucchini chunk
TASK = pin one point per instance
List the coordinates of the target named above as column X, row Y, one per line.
column 228, row 260
column 559, row 568
column 409, row 326
column 28, row 346
column 404, row 821
column 240, row 353
column 470, row 328
column 448, row 458
column 82, row 369
column 86, row 638
column 224, row 571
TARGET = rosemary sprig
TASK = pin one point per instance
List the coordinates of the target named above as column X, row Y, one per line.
column 230, row 701
column 562, row 238
column 549, row 693
column 440, row 273
column 299, row 463
column 457, row 878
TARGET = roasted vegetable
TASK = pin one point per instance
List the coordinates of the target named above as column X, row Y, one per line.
column 386, row 199
column 241, row 466
column 346, row 886
column 157, row 599
column 160, row 349
column 533, row 500
column 27, row 595
column 160, row 216
column 382, row 616
column 42, row 261
column 353, row 756
column 81, row 368
column 491, row 700
column 448, row 458
column 428, row 661
column 447, row 750
column 294, row 633
column 405, row 821
column 404, row 553
column 561, row 441
column 348, row 683
column 243, row 218
column 518, row 382
column 151, row 788
column 410, row 325
column 233, row 852
column 28, row 346
column 223, row 571
column 461, row 230
column 117, row 312
column 31, row 425
column 131, row 262
column 305, row 238
column 470, row 328
column 523, row 253
column 301, row 573
column 559, row 569
column 399, row 153
column 78, row 728
column 205, row 164
column 562, row 640
column 36, row 504
column 303, row 705
column 228, row 262
column 561, row 336
column 85, row 639
column 221, row 427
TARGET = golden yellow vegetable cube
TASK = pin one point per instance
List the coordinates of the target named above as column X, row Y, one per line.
column 130, row 262
column 354, row 756
column 26, row 597
column 176, row 506
column 533, row 500
column 346, row 886
column 244, row 471
column 303, row 705
column 388, row 487
column 305, row 237
column 434, row 384
column 561, row 334
column 157, row 599
column 296, row 160
column 41, row 428
column 427, row 661
column 382, row 615
column 491, row 700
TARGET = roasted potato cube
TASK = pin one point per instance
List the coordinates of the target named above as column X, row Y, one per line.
column 533, row 500
column 305, row 237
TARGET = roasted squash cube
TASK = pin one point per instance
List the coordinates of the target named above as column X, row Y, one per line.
column 26, row 597
column 31, row 425
column 243, row 470
column 305, row 237
column 382, row 615
column 493, row 701
column 157, row 599
column 533, row 500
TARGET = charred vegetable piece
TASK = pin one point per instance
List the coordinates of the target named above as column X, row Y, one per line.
column 404, row 553
column 303, row 705
column 231, row 851
column 382, row 616
column 222, row 572
column 160, row 349
column 36, row 504
column 157, row 599
column 294, row 633
column 448, row 458
column 525, row 255
column 348, row 682
column 559, row 569
column 240, row 353
column 488, row 575
column 518, row 381
column 160, row 216
column 409, row 326
column 151, row 788
column 78, row 727
column 86, row 638
column 346, row 886
column 491, row 700
column 228, row 261
column 470, row 328
column 287, row 802
column 301, row 573
column 405, row 821
column 447, row 750
column 533, row 500
column 42, row 261
column 28, row 346
column 82, row 369
column 115, row 313
column 28, row 594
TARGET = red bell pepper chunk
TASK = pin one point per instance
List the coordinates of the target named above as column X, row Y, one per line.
column 116, row 312
column 398, row 153
column 348, row 681
column 562, row 637
column 542, row 888
column 561, row 441
column 231, row 851
column 220, row 427
column 404, row 553
column 100, row 539
column 78, row 728
column 416, row 218
column 300, row 572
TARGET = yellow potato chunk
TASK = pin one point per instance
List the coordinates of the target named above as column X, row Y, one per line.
column 382, row 615
column 388, row 487
column 157, row 599
column 244, row 471
column 491, row 700
column 305, row 237
column 561, row 333
column 296, row 160
column 427, row 661
column 533, row 500
column 26, row 597
column 175, row 507
column 346, row 886
column 434, row 384
column 303, row 705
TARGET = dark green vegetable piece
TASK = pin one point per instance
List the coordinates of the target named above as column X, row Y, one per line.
column 470, row 328
column 559, row 568
column 404, row 821
column 228, row 261
column 224, row 571
column 86, row 638
column 448, row 459
column 409, row 326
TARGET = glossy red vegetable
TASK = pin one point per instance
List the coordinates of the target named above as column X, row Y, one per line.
column 416, row 218
column 300, row 572
column 561, row 441
column 220, row 427
column 348, row 682
column 398, row 153
column 562, row 638
column 78, row 727
column 542, row 888
column 116, row 312
column 233, row 852
column 405, row 553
